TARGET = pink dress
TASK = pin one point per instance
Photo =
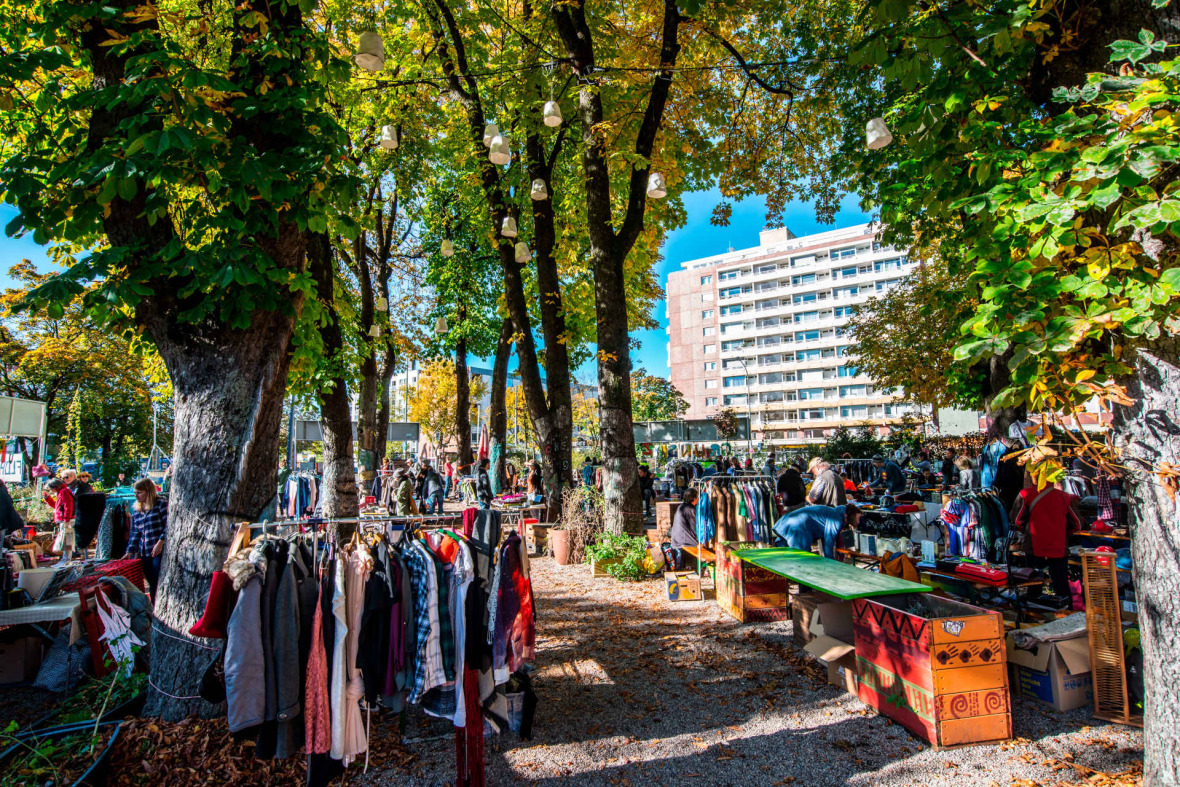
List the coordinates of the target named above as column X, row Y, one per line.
column 317, row 719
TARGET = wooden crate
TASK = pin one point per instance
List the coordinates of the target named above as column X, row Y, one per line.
column 1105, row 628
column 937, row 667
column 748, row 592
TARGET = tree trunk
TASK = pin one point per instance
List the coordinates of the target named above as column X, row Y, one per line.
column 228, row 391
column 388, row 364
column 462, row 401
column 1148, row 434
column 339, row 482
column 367, row 429
column 557, row 453
column 609, row 249
column 498, row 417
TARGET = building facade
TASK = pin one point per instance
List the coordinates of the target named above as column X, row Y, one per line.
column 764, row 330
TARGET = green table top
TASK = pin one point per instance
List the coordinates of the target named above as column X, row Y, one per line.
column 841, row 580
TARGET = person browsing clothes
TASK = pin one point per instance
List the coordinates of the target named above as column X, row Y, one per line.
column 802, row 527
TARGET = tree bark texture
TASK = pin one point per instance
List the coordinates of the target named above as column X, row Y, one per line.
column 339, row 480
column 1148, row 434
column 498, row 417
column 609, row 250
column 462, row 400
column 557, row 450
column 228, row 393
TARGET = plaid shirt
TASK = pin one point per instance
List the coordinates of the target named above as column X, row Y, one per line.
column 428, row 663
column 147, row 527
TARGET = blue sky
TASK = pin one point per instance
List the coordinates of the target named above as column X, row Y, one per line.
column 698, row 238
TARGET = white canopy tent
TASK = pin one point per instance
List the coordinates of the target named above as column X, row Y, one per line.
column 24, row 418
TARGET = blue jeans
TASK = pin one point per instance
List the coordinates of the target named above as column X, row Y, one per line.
column 447, row 491
column 434, row 503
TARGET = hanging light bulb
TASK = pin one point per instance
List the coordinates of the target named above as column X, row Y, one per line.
column 440, row 326
column 508, row 227
column 657, row 188
column 538, row 191
column 490, row 132
column 877, row 134
column 552, row 114
column 374, row 331
column 498, row 152
column 382, row 304
column 389, row 137
column 522, row 252
column 447, row 248
column 371, row 53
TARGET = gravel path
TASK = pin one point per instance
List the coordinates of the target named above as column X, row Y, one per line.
column 636, row 690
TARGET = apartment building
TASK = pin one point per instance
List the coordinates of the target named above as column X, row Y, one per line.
column 764, row 330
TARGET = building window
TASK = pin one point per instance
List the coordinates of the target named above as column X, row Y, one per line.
column 735, row 382
column 808, row 355
column 710, row 366
column 770, row 379
column 806, row 394
column 840, row 254
column 706, row 297
column 810, row 297
column 707, row 314
column 710, row 383
column 727, row 276
column 710, row 401
column 806, row 278
column 847, row 371
column 735, row 399
column 772, row 396
column 847, row 273
column 807, row 336
column 766, row 268
column 707, row 330
column 768, row 341
column 766, row 286
column 842, row 350
column 710, row 349
column 735, row 344
column 732, row 292
column 888, row 265
column 848, row 391
column 888, row 284
column 844, row 311
column 807, row 317
column 706, row 280
column 735, row 308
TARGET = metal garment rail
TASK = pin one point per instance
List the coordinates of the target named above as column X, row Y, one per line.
column 727, row 479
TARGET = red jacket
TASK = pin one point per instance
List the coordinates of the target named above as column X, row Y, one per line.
column 1050, row 520
column 63, row 505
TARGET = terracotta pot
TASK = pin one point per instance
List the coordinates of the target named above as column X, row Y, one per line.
column 559, row 542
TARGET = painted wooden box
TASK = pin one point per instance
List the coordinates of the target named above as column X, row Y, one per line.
column 748, row 592
column 937, row 667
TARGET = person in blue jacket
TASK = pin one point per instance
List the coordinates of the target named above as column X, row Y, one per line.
column 892, row 477
column 802, row 527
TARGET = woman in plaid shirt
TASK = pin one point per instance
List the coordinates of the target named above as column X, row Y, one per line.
column 149, row 518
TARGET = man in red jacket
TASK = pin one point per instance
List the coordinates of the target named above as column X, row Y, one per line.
column 1048, row 516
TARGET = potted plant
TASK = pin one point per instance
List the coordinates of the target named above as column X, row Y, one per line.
column 618, row 556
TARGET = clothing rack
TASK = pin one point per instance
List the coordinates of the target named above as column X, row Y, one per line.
column 727, row 479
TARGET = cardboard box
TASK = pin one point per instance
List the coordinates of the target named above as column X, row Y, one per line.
column 683, row 586
column 842, row 674
column 803, row 607
column 833, row 619
column 838, row 656
column 20, row 659
column 1056, row 673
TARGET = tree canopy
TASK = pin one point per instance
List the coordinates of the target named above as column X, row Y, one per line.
column 655, row 398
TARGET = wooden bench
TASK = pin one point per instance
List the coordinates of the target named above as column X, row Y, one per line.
column 702, row 554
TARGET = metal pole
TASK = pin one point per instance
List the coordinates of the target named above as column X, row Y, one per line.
column 749, row 416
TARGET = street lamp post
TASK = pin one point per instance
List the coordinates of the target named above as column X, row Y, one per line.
column 749, row 415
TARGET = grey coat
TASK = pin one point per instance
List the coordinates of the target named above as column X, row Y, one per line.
column 245, row 683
